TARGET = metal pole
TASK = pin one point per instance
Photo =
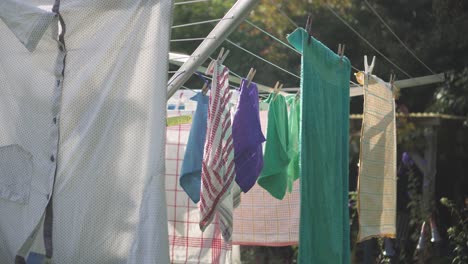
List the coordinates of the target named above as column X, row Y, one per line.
column 239, row 11
column 407, row 83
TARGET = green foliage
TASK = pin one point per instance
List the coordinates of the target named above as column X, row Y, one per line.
column 452, row 98
column 458, row 233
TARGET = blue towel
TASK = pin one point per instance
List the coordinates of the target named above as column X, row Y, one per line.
column 190, row 178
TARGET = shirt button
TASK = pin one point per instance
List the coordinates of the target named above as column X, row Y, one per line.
column 58, row 82
column 52, row 158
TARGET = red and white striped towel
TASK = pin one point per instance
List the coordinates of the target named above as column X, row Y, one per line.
column 218, row 161
column 187, row 243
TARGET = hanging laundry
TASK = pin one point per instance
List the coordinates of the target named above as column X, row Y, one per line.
column 190, row 178
column 324, row 225
column 377, row 166
column 262, row 220
column 218, row 170
column 247, row 137
column 274, row 176
column 187, row 243
column 294, row 120
column 82, row 118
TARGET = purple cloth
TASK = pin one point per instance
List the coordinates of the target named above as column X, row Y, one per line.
column 247, row 137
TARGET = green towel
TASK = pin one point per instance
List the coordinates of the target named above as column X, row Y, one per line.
column 324, row 221
column 293, row 123
column 274, row 175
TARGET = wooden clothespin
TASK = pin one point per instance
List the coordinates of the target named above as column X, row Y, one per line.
column 220, row 55
column 220, row 59
column 250, row 76
column 277, row 89
column 205, row 88
column 308, row 28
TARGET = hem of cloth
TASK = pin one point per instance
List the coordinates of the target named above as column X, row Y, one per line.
column 278, row 244
column 384, row 235
column 207, row 218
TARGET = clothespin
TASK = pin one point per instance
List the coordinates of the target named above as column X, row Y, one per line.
column 205, row 88
column 308, row 28
column 220, row 59
column 369, row 68
column 341, row 51
column 220, row 55
column 298, row 94
column 209, row 69
column 277, row 89
column 250, row 76
column 395, row 90
column 361, row 75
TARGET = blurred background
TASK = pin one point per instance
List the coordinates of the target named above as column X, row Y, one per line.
column 409, row 38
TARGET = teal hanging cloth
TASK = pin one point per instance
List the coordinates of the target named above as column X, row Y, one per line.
column 324, row 220
column 274, row 176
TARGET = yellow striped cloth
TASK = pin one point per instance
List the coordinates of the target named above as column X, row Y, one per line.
column 377, row 166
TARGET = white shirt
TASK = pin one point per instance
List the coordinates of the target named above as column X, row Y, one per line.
column 83, row 124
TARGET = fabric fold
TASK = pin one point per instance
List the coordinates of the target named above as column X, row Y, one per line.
column 293, row 124
column 247, row 137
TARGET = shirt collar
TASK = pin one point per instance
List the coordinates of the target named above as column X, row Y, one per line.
column 27, row 21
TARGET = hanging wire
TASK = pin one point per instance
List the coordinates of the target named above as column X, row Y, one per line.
column 273, row 37
column 211, row 79
column 190, row 2
column 202, row 22
column 185, row 57
column 189, row 89
column 283, row 13
column 189, row 39
column 230, row 71
column 366, row 41
column 176, row 76
column 282, row 42
column 260, row 58
column 396, row 36
column 235, row 74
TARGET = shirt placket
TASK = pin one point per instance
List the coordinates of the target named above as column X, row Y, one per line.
column 55, row 131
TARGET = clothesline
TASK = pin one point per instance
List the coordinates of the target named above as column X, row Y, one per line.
column 292, row 22
column 398, row 38
column 355, row 88
column 190, row 2
column 250, row 52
